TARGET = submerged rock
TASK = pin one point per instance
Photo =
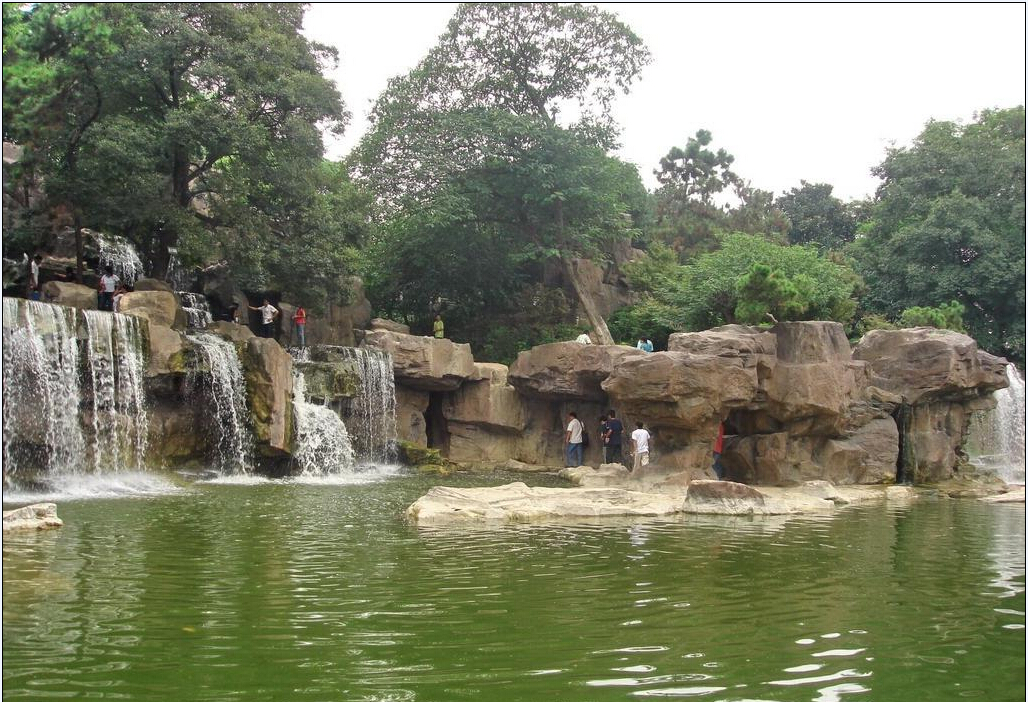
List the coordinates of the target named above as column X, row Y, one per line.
column 516, row 502
column 728, row 498
column 32, row 518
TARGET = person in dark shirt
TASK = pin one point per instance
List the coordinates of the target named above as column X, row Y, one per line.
column 612, row 439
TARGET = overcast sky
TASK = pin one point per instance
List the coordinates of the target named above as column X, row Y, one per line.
column 794, row 92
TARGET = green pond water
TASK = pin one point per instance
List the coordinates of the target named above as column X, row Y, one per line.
column 324, row 592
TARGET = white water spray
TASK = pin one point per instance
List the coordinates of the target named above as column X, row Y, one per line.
column 323, row 445
column 121, row 255
column 998, row 436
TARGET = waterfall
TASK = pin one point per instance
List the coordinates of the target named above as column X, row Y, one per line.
column 121, row 255
column 198, row 312
column 40, row 388
column 114, row 357
column 323, row 445
column 225, row 389
column 74, row 408
column 998, row 435
column 371, row 416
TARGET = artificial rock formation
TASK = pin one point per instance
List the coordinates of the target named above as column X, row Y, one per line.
column 69, row 295
column 424, row 362
column 158, row 307
column 937, row 379
column 268, row 369
column 566, row 370
column 32, row 518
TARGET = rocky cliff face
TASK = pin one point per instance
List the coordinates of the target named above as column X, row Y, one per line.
column 797, row 403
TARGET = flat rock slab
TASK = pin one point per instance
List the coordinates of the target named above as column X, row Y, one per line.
column 726, row 497
column 1015, row 496
column 32, row 518
column 518, row 503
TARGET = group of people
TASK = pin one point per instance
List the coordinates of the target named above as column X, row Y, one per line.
column 269, row 313
column 612, row 431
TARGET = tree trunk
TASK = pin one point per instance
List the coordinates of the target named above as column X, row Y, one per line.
column 600, row 330
column 79, row 253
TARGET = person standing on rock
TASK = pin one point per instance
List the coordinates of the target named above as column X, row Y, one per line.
column 108, row 284
column 640, row 447
column 719, row 444
column 300, row 324
column 603, row 438
column 438, row 329
column 573, row 441
column 612, row 439
column 33, row 288
column 268, row 315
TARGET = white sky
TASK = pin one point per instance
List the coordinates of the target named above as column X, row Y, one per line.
column 814, row 92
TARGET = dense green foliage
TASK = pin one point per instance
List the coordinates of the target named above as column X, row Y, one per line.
column 487, row 171
column 817, row 217
column 948, row 223
column 184, row 125
column 708, row 291
column 469, row 148
column 946, row 316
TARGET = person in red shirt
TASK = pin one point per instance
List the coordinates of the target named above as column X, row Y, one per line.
column 719, row 444
column 300, row 322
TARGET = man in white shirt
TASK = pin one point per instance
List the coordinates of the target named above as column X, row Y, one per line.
column 33, row 293
column 108, row 284
column 573, row 441
column 583, row 338
column 640, row 447
column 268, row 314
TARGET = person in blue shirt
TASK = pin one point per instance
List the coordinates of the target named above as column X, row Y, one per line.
column 612, row 439
column 648, row 347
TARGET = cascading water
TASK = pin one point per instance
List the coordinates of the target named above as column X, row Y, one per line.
column 225, row 390
column 114, row 357
column 198, row 312
column 323, row 445
column 121, row 255
column 368, row 405
column 41, row 388
column 998, row 436
column 371, row 417
column 75, row 417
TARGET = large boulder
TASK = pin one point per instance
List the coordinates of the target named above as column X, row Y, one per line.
column 69, row 295
column 158, row 307
column 169, row 352
column 32, row 518
column 389, row 325
column 756, row 348
column 567, row 370
column 230, row 331
column 924, row 364
column 681, row 390
column 151, row 284
column 730, row 498
column 489, row 402
column 423, row 362
column 268, row 370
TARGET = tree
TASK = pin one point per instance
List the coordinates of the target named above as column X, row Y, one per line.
column 816, row 216
column 706, row 293
column 53, row 59
column 209, row 122
column 946, row 316
column 489, row 99
column 765, row 294
column 948, row 223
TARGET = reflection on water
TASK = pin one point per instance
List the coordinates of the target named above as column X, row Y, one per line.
column 284, row 591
